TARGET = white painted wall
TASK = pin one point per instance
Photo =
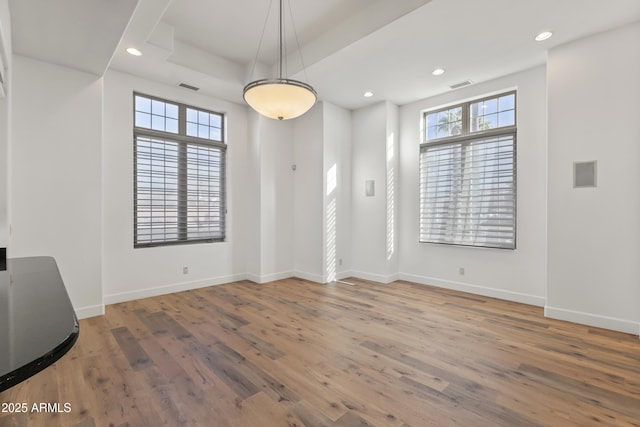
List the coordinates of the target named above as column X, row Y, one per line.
column 518, row 275
column 374, row 131
column 276, row 199
column 264, row 201
column 336, row 131
column 308, row 242
column 594, row 233
column 5, row 120
column 392, row 189
column 246, row 251
column 290, row 213
column 369, row 219
column 130, row 273
column 322, row 193
column 56, row 174
column 5, row 138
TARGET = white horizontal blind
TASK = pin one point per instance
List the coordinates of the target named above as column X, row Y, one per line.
column 156, row 191
column 179, row 179
column 205, row 193
column 468, row 192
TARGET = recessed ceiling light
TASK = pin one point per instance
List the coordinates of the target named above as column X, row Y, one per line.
column 133, row 51
column 368, row 94
column 438, row 72
column 543, row 36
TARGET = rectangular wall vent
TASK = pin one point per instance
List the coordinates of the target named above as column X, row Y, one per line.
column 186, row 86
column 461, row 84
column 584, row 174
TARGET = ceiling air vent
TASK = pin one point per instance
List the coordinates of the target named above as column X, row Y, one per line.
column 186, row 86
column 461, row 84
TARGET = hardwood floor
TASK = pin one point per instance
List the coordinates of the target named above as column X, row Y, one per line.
column 294, row 353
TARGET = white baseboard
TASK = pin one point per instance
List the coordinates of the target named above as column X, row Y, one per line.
column 255, row 278
column 312, row 277
column 341, row 275
column 169, row 289
column 317, row 278
column 375, row 277
column 266, row 278
column 475, row 289
column 89, row 311
column 591, row 319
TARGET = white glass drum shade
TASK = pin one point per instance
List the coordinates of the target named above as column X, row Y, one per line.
column 280, row 99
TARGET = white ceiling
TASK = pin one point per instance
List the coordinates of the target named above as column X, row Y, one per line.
column 80, row 34
column 197, row 22
column 389, row 47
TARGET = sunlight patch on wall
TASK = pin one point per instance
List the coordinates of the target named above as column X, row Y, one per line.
column 390, row 197
column 331, row 241
column 331, row 257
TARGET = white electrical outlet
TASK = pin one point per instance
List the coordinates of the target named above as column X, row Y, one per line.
column 462, row 271
column 339, row 261
column 185, row 270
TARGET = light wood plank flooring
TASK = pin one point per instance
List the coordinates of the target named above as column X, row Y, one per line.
column 294, row 353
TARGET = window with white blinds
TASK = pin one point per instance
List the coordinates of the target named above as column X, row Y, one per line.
column 179, row 171
column 468, row 174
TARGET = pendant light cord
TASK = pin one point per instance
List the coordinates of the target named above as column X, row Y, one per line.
column 295, row 33
column 280, row 30
column 264, row 28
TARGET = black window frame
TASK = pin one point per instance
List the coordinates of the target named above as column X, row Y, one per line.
column 464, row 139
column 184, row 143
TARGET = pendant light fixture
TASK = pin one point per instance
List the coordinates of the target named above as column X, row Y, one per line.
column 280, row 98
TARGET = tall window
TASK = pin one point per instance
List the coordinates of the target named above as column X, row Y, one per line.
column 179, row 171
column 468, row 174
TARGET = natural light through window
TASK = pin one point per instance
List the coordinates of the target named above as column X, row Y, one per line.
column 179, row 168
column 331, row 241
column 390, row 196
column 468, row 174
column 332, row 179
column 330, row 225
